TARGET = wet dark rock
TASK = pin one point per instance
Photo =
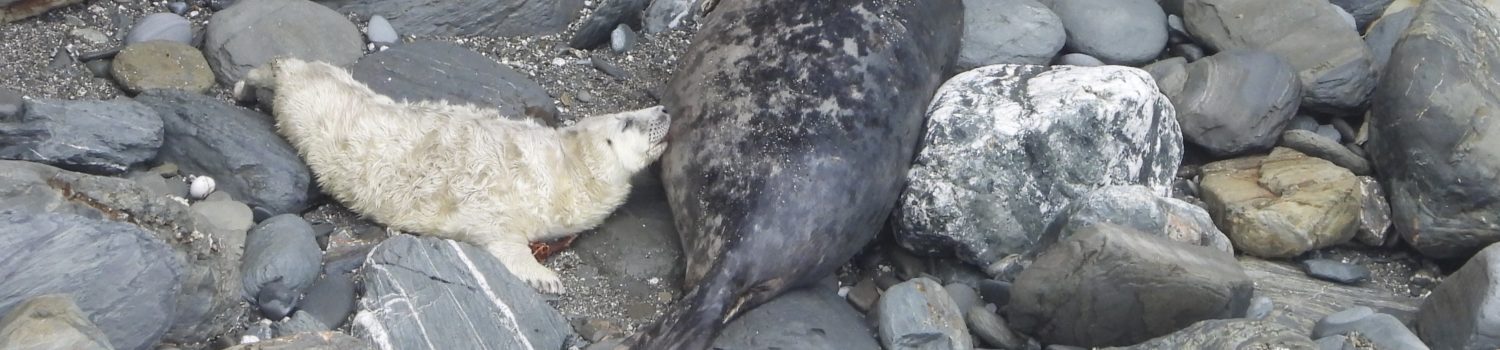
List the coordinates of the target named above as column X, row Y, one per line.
column 1437, row 156
column 1460, row 312
column 1385, row 32
column 1111, row 286
column 1363, row 11
column 99, row 137
column 919, row 314
column 812, row 318
column 1330, row 270
column 995, row 292
column 238, row 148
column 991, row 329
column 1237, row 102
column 331, row 298
column 433, row 70
column 281, row 261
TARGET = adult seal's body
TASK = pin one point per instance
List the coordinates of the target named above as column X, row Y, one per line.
column 794, row 124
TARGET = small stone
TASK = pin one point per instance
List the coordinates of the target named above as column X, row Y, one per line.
column 161, row 26
column 610, row 69
column 919, row 314
column 379, row 30
column 622, row 39
column 1327, row 131
column 1188, row 51
column 1078, row 59
column 162, row 65
column 963, row 295
column 1335, row 271
column 177, row 7
column 864, row 294
column 991, row 329
column 1260, row 307
column 90, row 35
column 596, row 329
column 585, row 97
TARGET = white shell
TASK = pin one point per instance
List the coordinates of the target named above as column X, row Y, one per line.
column 201, row 186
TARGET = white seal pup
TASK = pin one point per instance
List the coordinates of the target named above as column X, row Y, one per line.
column 457, row 171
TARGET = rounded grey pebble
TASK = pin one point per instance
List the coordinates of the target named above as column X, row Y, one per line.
column 1188, row 51
column 1174, row 23
column 1340, row 320
column 161, row 26
column 1329, row 132
column 1078, row 59
column 178, row 7
column 1260, row 307
column 622, row 39
column 1303, row 122
column 963, row 295
column 1331, row 270
column 379, row 30
column 1124, row 32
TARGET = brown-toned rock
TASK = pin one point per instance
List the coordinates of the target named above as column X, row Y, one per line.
column 11, row 10
column 1283, row 204
column 162, row 64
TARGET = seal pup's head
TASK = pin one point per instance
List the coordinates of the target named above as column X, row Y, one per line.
column 631, row 139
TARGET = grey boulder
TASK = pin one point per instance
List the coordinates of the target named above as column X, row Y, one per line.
column 1138, row 208
column 811, row 318
column 1432, row 133
column 238, row 148
column 1384, row 331
column 919, row 314
column 1460, row 312
column 1009, row 31
column 1335, row 67
column 50, row 321
column 99, row 137
column 494, row 18
column 280, row 250
column 1113, row 286
column 124, row 279
column 1009, row 146
column 1385, row 32
column 243, row 37
column 161, row 26
column 430, row 292
column 1237, row 101
column 1123, row 32
column 434, row 70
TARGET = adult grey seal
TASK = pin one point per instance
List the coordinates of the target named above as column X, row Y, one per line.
column 795, row 122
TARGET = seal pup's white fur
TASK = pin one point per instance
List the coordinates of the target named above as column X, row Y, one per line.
column 457, row 171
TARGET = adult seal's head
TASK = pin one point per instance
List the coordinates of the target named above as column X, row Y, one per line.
column 795, row 122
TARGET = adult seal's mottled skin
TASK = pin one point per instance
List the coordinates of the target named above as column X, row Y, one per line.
column 796, row 124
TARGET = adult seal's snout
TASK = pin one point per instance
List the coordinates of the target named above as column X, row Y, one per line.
column 793, row 125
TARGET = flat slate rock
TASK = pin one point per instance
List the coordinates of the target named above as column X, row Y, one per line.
column 50, row 321
column 440, row 294
column 241, row 38
column 237, row 147
column 1009, row 146
column 1229, row 334
column 433, row 70
column 1433, row 132
column 124, row 279
column 812, row 318
column 99, row 137
column 1300, row 301
column 1330, row 270
column 490, row 18
column 207, row 302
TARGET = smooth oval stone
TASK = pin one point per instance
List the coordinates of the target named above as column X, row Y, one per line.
column 161, row 26
column 379, row 30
